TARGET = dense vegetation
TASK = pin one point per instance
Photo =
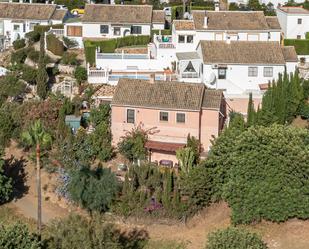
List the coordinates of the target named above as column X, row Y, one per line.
column 234, row 238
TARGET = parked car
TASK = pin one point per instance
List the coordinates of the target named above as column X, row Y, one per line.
column 77, row 11
column 168, row 11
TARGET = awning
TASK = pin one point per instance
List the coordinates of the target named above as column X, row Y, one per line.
column 168, row 147
column 263, row 86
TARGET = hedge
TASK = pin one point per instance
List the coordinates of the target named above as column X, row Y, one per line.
column 45, row 28
column 54, row 45
column 163, row 32
column 301, row 46
column 109, row 46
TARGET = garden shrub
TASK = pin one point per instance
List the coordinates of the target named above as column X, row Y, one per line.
column 93, row 190
column 54, row 45
column 29, row 74
column 19, row 56
column 70, row 43
column 33, row 55
column 18, row 44
column 234, row 238
column 33, row 36
column 266, row 156
column 18, row 236
column 6, row 187
column 80, row 74
column 69, row 59
column 149, row 190
column 163, row 32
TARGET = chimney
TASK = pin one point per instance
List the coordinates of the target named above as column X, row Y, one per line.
column 217, row 6
column 228, row 39
column 152, row 78
column 205, row 21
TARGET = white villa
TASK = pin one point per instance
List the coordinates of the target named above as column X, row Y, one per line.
column 294, row 22
column 103, row 21
column 17, row 19
column 237, row 67
column 161, row 58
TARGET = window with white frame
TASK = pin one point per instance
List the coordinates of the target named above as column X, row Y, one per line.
column 104, row 29
column 222, row 73
column 299, row 21
column 130, row 116
column 117, row 31
column 180, row 117
column 268, row 72
column 164, row 116
column 181, row 39
column 252, row 71
column 190, row 39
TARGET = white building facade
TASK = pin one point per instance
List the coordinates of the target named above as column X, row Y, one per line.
column 294, row 22
column 17, row 19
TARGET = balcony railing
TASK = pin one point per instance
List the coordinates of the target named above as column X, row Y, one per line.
column 189, row 75
column 164, row 41
column 122, row 56
column 56, row 32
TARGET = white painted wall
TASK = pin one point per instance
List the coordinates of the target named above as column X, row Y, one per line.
column 158, row 26
column 289, row 24
column 92, row 30
column 78, row 39
column 237, row 80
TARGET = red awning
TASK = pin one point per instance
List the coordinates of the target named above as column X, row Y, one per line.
column 169, row 147
column 263, row 86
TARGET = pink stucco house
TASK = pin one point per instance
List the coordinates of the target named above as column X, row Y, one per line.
column 172, row 109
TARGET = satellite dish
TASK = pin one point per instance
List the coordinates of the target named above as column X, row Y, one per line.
column 212, row 78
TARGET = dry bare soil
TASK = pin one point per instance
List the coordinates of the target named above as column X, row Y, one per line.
column 293, row 234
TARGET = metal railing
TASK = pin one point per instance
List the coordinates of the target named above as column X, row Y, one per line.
column 56, row 32
column 189, row 75
column 122, row 56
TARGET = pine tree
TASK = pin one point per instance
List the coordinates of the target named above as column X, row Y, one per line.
column 42, row 76
column 250, row 112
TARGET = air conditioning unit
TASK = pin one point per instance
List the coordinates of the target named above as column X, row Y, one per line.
column 214, row 66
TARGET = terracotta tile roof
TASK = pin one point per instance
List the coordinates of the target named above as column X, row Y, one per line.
column 230, row 20
column 105, row 90
column 273, row 22
column 27, row 11
column 161, row 94
column 59, row 14
column 158, row 16
column 289, row 54
column 294, row 10
column 242, row 52
column 163, row 146
column 187, row 56
column 212, row 99
column 117, row 13
column 184, row 25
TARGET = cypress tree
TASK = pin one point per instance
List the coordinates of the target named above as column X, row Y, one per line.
column 42, row 76
column 250, row 112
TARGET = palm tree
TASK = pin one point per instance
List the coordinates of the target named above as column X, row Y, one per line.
column 37, row 137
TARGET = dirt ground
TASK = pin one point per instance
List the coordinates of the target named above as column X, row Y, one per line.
column 292, row 234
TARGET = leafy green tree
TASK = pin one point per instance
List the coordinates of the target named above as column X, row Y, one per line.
column 194, row 144
column 7, row 125
column 11, row 86
column 197, row 186
column 234, row 238
column 36, row 137
column 42, row 76
column 254, row 5
column 267, row 156
column 80, row 74
column 132, row 145
column 29, row 74
column 93, row 189
column 185, row 157
column 250, row 112
column 17, row 236
column 6, row 187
